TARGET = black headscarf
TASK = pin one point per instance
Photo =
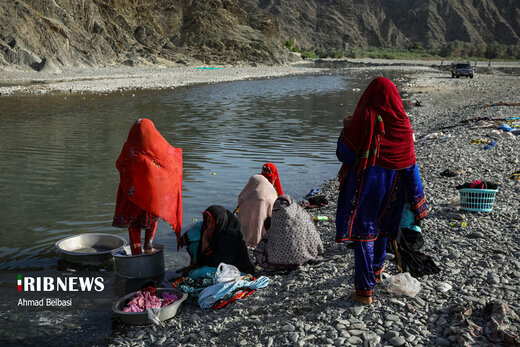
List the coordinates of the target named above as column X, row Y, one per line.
column 226, row 243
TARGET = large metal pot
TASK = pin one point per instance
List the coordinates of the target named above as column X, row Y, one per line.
column 89, row 248
column 141, row 265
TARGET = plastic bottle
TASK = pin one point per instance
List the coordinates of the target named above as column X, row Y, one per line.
column 317, row 218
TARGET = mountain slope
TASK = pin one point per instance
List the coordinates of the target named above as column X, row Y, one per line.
column 48, row 34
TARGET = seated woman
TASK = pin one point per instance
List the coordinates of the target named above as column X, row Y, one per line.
column 270, row 172
column 256, row 203
column 292, row 238
column 221, row 241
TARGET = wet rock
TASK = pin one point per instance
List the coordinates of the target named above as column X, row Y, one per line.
column 355, row 340
column 397, row 341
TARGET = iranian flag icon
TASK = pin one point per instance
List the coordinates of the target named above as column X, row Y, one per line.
column 19, row 283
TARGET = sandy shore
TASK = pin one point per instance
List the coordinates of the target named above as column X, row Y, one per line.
column 115, row 78
column 110, row 79
column 479, row 262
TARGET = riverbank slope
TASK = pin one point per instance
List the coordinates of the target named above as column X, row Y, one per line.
column 311, row 306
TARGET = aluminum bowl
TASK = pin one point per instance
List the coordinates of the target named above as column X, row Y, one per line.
column 141, row 318
column 90, row 248
column 141, row 265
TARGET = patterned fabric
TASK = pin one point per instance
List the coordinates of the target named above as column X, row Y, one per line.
column 292, row 239
column 239, row 294
column 379, row 132
column 150, row 171
column 256, row 203
column 371, row 201
column 378, row 174
column 227, row 291
column 492, row 325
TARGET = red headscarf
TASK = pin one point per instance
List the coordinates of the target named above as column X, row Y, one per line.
column 150, row 172
column 380, row 132
column 270, row 172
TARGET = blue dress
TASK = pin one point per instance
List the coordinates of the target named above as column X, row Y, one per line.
column 371, row 201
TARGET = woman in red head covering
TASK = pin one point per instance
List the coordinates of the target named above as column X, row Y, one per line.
column 270, row 172
column 379, row 173
column 150, row 187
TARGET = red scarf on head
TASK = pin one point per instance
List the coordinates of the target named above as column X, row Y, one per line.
column 380, row 132
column 150, row 171
column 273, row 177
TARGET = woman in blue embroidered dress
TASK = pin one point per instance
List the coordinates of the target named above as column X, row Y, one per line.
column 379, row 173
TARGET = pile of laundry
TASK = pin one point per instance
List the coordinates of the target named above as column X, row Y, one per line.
column 147, row 298
column 218, row 287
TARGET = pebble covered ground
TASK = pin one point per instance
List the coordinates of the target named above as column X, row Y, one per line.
column 480, row 262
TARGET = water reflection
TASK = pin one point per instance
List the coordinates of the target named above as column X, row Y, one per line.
column 57, row 158
column 58, row 175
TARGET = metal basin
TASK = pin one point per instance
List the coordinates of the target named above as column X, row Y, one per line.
column 141, row 318
column 140, row 266
column 89, row 248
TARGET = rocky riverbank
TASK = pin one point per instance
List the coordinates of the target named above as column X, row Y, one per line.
column 311, row 306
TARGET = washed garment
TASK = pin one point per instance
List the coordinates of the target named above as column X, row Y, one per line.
column 491, row 325
column 147, row 298
column 409, row 258
column 408, row 220
column 270, row 172
column 256, row 203
column 379, row 173
column 478, row 184
column 193, row 286
column 214, row 293
column 226, row 242
column 150, row 172
column 292, row 239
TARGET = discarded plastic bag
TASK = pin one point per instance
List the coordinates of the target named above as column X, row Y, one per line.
column 226, row 273
column 153, row 315
column 401, row 284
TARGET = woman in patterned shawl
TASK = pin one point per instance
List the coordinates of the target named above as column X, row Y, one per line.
column 256, row 203
column 378, row 175
column 292, row 238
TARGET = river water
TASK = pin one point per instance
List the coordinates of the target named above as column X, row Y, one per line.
column 58, row 176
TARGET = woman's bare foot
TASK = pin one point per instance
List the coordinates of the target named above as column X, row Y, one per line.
column 149, row 251
column 365, row 300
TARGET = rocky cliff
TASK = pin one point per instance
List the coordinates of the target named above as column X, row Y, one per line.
column 397, row 23
column 48, row 34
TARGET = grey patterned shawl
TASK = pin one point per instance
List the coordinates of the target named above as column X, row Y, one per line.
column 292, row 239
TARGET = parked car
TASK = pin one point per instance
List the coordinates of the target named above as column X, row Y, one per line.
column 462, row 69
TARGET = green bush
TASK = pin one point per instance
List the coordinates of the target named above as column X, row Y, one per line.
column 309, row 55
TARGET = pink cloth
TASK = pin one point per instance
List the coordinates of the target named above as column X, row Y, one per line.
column 146, row 299
column 256, row 203
column 142, row 301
